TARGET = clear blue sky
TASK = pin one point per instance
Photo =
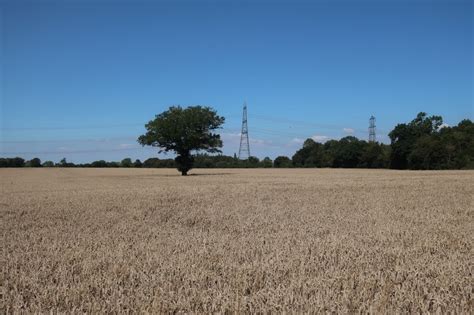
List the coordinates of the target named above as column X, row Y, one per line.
column 80, row 79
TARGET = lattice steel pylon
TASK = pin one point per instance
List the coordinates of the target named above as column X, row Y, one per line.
column 372, row 129
column 244, row 150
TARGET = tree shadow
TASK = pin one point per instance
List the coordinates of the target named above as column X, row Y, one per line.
column 178, row 175
column 210, row 174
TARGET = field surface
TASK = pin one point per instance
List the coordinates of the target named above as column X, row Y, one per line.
column 305, row 240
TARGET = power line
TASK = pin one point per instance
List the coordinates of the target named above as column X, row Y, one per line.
column 303, row 123
column 83, row 127
column 293, row 123
column 128, row 138
column 244, row 150
column 73, row 151
column 255, row 130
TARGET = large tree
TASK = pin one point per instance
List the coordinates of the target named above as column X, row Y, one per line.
column 183, row 130
column 405, row 136
column 127, row 162
column 282, row 161
column 36, row 162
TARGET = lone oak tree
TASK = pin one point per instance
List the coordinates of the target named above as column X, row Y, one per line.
column 184, row 130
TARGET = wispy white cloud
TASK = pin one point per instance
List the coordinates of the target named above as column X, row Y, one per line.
column 443, row 125
column 348, row 130
column 319, row 138
column 297, row 140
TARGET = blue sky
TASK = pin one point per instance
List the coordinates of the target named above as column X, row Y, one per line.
column 81, row 78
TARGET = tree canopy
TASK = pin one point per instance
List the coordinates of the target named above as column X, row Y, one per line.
column 348, row 152
column 282, row 161
column 183, row 130
column 404, row 136
column 425, row 143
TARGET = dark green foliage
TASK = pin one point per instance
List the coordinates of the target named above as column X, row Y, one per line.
column 100, row 163
column 404, row 137
column 305, row 156
column 448, row 148
column 205, row 161
column 48, row 164
column 137, row 163
column 422, row 144
column 282, row 162
column 223, row 161
column 348, row 152
column 127, row 162
column 183, row 131
column 12, row 162
column 459, row 145
column 215, row 161
column 375, row 155
column 17, row 162
column 35, row 162
column 64, row 163
column 267, row 162
column 184, row 162
column 157, row 163
column 252, row 162
column 151, row 163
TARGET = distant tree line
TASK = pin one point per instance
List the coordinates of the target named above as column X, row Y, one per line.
column 422, row 144
column 425, row 143
column 201, row 161
column 348, row 152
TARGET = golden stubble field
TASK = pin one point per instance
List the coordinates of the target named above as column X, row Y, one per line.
column 305, row 240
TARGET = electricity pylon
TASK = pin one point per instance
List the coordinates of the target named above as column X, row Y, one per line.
column 372, row 129
column 244, row 150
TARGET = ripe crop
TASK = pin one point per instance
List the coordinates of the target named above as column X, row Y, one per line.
column 280, row 240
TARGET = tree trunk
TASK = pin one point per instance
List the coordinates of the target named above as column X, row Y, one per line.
column 184, row 162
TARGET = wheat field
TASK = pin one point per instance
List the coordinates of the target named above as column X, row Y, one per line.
column 236, row 241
